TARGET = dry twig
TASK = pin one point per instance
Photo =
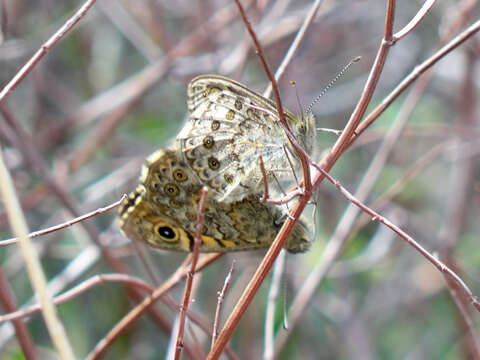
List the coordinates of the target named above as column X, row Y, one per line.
column 190, row 274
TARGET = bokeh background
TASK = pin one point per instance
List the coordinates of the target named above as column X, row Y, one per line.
column 113, row 91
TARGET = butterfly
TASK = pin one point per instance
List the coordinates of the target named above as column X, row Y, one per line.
column 228, row 127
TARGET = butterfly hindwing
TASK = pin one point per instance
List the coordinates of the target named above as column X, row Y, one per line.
column 162, row 212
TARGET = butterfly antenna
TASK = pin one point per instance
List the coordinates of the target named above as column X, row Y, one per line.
column 294, row 84
column 339, row 75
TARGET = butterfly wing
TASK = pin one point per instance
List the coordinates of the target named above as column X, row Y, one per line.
column 226, row 132
column 162, row 212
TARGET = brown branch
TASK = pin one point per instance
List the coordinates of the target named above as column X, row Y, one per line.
column 279, row 269
column 141, row 308
column 77, row 290
column 46, row 47
column 278, row 100
column 462, row 171
column 444, row 269
column 9, row 304
column 34, row 269
column 67, row 223
column 38, row 164
column 220, row 298
column 419, row 70
column 190, row 274
column 334, row 246
column 286, row 229
column 289, row 224
column 427, row 5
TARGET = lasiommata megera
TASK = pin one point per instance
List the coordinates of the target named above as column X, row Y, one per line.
column 228, row 127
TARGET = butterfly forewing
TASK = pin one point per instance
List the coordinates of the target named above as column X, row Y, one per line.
column 232, row 126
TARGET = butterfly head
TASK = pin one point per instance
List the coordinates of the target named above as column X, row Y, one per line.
column 305, row 131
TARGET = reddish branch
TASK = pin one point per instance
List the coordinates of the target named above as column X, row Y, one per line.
column 188, row 286
column 377, row 217
column 339, row 147
column 76, row 291
column 221, row 297
column 278, row 100
column 67, row 223
column 45, row 48
column 419, row 70
column 9, row 304
column 141, row 308
column 272, row 253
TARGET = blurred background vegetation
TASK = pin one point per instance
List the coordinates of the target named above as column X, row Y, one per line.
column 113, row 91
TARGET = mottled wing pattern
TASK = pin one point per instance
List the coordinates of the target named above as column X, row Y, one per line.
column 227, row 131
column 162, row 212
